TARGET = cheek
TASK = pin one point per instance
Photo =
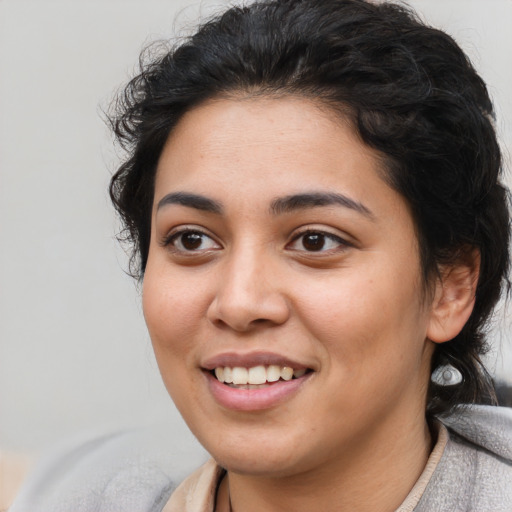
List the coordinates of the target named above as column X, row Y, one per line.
column 372, row 345
column 364, row 317
column 173, row 307
column 173, row 311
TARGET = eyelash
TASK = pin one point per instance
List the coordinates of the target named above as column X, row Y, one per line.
column 172, row 239
column 324, row 237
column 342, row 244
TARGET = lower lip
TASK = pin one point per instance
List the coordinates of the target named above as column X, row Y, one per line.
column 254, row 399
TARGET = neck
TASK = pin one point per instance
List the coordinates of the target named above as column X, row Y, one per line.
column 374, row 475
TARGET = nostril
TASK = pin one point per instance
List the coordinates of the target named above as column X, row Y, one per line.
column 243, row 308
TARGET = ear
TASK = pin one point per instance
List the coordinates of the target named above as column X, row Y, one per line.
column 454, row 297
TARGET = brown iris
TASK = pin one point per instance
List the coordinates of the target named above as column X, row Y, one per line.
column 313, row 241
column 191, row 240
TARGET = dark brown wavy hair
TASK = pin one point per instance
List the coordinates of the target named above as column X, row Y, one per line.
column 410, row 93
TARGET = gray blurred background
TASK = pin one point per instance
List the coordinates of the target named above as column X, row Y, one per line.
column 74, row 353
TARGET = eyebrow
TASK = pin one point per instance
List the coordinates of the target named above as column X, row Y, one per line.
column 192, row 201
column 279, row 206
column 295, row 202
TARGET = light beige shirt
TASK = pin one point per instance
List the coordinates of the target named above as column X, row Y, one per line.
column 197, row 493
column 13, row 470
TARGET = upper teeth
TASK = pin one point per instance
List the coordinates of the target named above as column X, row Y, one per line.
column 256, row 374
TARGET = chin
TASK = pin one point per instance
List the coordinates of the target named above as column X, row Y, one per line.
column 257, row 464
column 264, row 455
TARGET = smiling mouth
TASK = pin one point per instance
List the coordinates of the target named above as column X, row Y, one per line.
column 256, row 377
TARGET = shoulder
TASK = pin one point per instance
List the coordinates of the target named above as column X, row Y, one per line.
column 489, row 428
column 475, row 471
column 122, row 472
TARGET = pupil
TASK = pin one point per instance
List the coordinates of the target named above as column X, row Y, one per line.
column 191, row 240
column 313, row 242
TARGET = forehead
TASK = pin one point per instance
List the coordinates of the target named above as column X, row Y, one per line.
column 272, row 140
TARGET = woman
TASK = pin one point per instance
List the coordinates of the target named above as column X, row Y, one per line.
column 312, row 193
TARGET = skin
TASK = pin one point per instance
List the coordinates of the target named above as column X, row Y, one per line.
column 354, row 436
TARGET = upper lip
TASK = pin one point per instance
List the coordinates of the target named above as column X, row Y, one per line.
column 250, row 360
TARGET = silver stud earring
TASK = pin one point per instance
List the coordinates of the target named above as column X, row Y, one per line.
column 446, row 375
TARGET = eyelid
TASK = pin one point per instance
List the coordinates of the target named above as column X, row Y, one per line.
column 173, row 234
column 338, row 238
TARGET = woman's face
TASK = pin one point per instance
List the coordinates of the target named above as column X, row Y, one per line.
column 276, row 246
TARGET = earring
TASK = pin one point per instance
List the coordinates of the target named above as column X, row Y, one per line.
column 446, row 375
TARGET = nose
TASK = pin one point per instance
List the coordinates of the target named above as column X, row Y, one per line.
column 249, row 294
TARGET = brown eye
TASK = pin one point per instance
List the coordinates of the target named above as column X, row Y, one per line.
column 317, row 241
column 189, row 240
column 313, row 241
